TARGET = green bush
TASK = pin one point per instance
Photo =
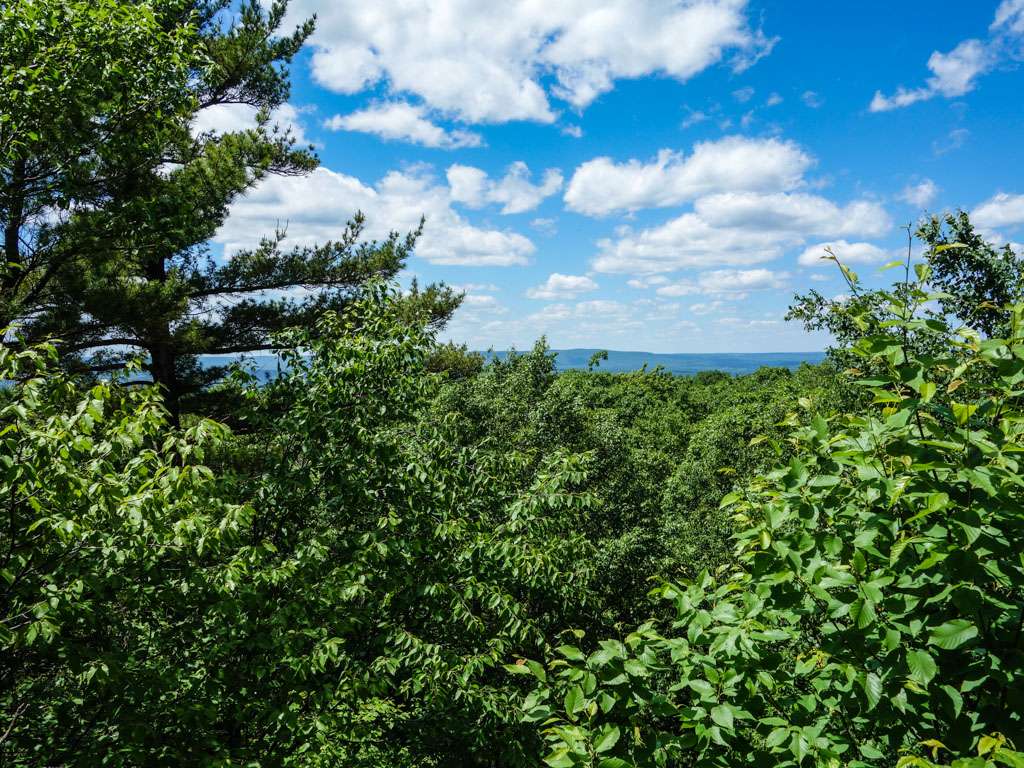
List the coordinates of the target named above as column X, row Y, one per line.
column 113, row 540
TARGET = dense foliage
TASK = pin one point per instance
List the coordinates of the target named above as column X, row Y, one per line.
column 664, row 450
column 398, row 554
column 346, row 586
column 875, row 611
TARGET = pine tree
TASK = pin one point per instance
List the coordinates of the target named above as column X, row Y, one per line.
column 109, row 198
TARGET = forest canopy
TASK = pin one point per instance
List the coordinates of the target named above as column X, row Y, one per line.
column 396, row 553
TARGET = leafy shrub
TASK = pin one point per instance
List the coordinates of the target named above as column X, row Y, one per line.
column 110, row 546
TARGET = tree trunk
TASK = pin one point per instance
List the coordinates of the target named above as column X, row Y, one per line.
column 163, row 369
column 163, row 357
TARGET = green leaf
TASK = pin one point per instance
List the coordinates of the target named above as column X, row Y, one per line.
column 518, row 669
column 574, row 701
column 872, row 686
column 1009, row 757
column 953, row 634
column 962, row 412
column 722, row 715
column 571, row 652
column 922, row 667
column 560, row 759
column 607, row 738
column 776, row 737
column 635, row 668
column 954, row 697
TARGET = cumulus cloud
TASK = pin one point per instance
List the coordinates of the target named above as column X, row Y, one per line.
column 494, row 62
column 956, row 73
column 740, row 280
column 848, row 253
column 737, row 229
column 797, row 213
column 729, row 283
column 230, row 118
column 920, row 195
column 559, row 286
column 694, row 118
column 401, row 121
column 602, row 186
column 1002, row 210
column 484, row 302
column 514, row 192
column 314, row 208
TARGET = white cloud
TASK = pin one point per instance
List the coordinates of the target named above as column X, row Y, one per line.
column 956, row 73
column 740, row 280
column 685, row 241
column 573, row 130
column 731, row 283
column 514, row 192
column 848, row 253
column 740, row 323
column 476, row 302
column 920, row 195
column 401, row 121
column 743, row 95
column 314, row 208
column 1009, row 17
column 797, row 213
column 602, row 186
column 548, row 227
column 694, row 118
column 494, row 62
column 737, row 229
column 707, row 308
column 648, row 281
column 476, row 287
column 953, row 74
column 953, row 141
column 812, row 99
column 230, row 118
column 1001, row 210
column 559, row 286
column 773, row 100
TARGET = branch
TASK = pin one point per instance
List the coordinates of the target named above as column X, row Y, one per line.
column 241, row 348
column 125, row 341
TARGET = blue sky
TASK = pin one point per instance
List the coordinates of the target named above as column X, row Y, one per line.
column 646, row 174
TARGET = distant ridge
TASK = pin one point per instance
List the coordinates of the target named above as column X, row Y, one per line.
column 683, row 363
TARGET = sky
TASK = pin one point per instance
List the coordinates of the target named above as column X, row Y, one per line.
column 655, row 175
